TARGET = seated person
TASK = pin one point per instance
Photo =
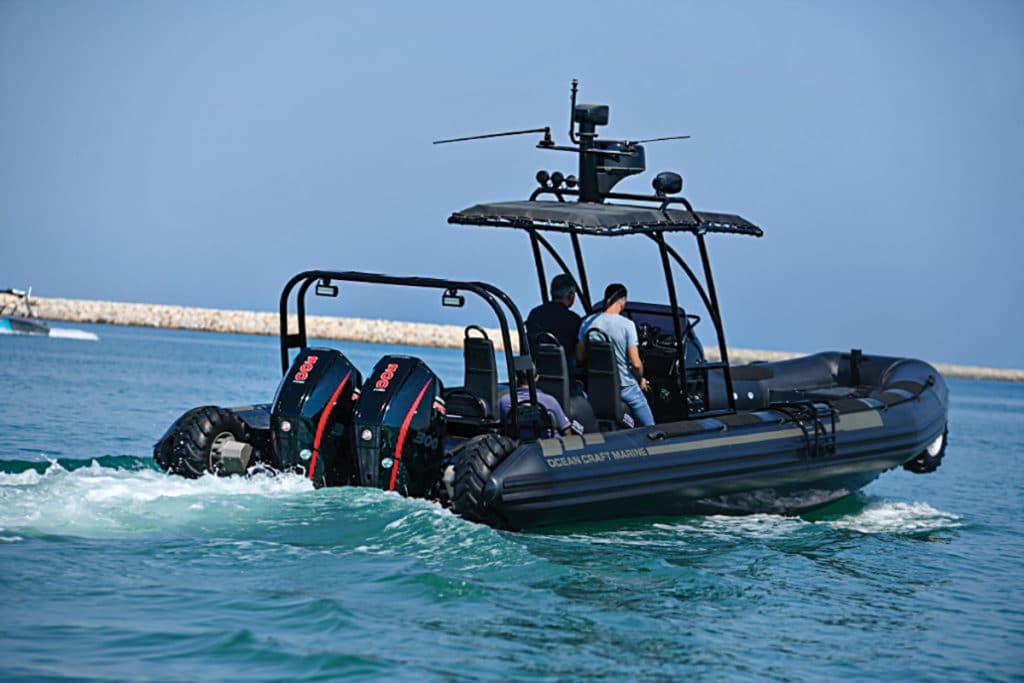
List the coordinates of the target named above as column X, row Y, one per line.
column 556, row 318
column 546, row 401
column 622, row 333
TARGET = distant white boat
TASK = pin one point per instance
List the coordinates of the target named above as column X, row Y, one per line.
column 18, row 317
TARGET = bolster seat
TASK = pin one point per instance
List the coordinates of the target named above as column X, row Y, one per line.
column 603, row 383
column 553, row 379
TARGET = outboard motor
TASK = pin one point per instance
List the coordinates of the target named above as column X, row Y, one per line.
column 311, row 417
column 399, row 427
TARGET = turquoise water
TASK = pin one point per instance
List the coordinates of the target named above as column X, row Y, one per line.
column 111, row 570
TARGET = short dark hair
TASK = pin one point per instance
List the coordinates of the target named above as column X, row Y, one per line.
column 523, row 377
column 613, row 293
column 562, row 285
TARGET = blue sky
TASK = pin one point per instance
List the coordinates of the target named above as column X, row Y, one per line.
column 199, row 153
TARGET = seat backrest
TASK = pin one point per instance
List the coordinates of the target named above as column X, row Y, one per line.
column 552, row 368
column 603, row 378
column 481, row 374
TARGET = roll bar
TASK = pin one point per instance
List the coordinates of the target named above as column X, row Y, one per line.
column 493, row 296
column 603, row 163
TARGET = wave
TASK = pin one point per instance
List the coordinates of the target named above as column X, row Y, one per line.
column 119, row 495
column 117, row 462
column 895, row 517
column 129, row 495
column 858, row 513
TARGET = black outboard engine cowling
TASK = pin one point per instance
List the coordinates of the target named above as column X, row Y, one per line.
column 399, row 427
column 310, row 421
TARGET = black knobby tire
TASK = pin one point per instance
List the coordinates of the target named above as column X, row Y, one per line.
column 472, row 470
column 185, row 448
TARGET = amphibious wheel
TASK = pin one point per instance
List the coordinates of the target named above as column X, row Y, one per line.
column 205, row 439
column 478, row 459
column 930, row 458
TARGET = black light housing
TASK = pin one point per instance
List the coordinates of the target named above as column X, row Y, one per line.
column 542, row 178
column 325, row 288
column 667, row 182
column 453, row 299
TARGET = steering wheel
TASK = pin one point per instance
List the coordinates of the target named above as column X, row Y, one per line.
column 668, row 341
column 647, row 334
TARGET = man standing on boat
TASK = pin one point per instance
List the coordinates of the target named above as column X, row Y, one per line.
column 622, row 333
column 556, row 317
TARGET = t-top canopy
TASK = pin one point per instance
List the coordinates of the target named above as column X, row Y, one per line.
column 600, row 219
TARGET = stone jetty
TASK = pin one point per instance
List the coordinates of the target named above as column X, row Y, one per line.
column 353, row 329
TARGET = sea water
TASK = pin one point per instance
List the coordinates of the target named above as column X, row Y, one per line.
column 112, row 570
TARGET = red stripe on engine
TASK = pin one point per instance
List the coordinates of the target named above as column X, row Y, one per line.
column 402, row 432
column 323, row 423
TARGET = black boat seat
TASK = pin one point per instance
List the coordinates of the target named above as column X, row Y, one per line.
column 603, row 383
column 543, row 422
column 463, row 405
column 481, row 371
column 553, row 379
column 552, row 369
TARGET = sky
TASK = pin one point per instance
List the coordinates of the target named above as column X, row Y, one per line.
column 200, row 153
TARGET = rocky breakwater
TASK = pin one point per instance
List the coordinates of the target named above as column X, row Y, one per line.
column 354, row 329
column 249, row 322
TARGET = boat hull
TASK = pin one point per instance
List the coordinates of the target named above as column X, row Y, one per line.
column 761, row 461
column 18, row 325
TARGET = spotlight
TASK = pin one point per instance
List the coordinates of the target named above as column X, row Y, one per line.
column 325, row 288
column 667, row 182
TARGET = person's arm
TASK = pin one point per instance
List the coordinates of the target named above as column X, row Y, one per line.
column 581, row 340
column 638, row 367
column 554, row 410
column 563, row 424
column 633, row 353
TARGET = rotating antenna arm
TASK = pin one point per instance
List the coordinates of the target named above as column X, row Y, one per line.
column 545, row 142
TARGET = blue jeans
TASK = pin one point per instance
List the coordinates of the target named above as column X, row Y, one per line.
column 637, row 402
column 576, row 389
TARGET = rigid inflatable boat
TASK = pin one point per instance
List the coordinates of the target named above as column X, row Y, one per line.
column 17, row 316
column 781, row 437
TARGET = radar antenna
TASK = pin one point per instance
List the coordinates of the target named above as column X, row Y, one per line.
column 670, row 137
column 546, row 142
column 602, row 162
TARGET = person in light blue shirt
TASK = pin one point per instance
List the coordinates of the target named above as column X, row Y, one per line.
column 622, row 333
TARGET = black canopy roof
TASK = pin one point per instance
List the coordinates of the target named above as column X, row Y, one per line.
column 600, row 219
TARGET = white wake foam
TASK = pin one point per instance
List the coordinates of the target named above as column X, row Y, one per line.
column 97, row 501
column 891, row 517
column 65, row 333
column 761, row 526
column 26, row 478
column 101, row 501
column 877, row 517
